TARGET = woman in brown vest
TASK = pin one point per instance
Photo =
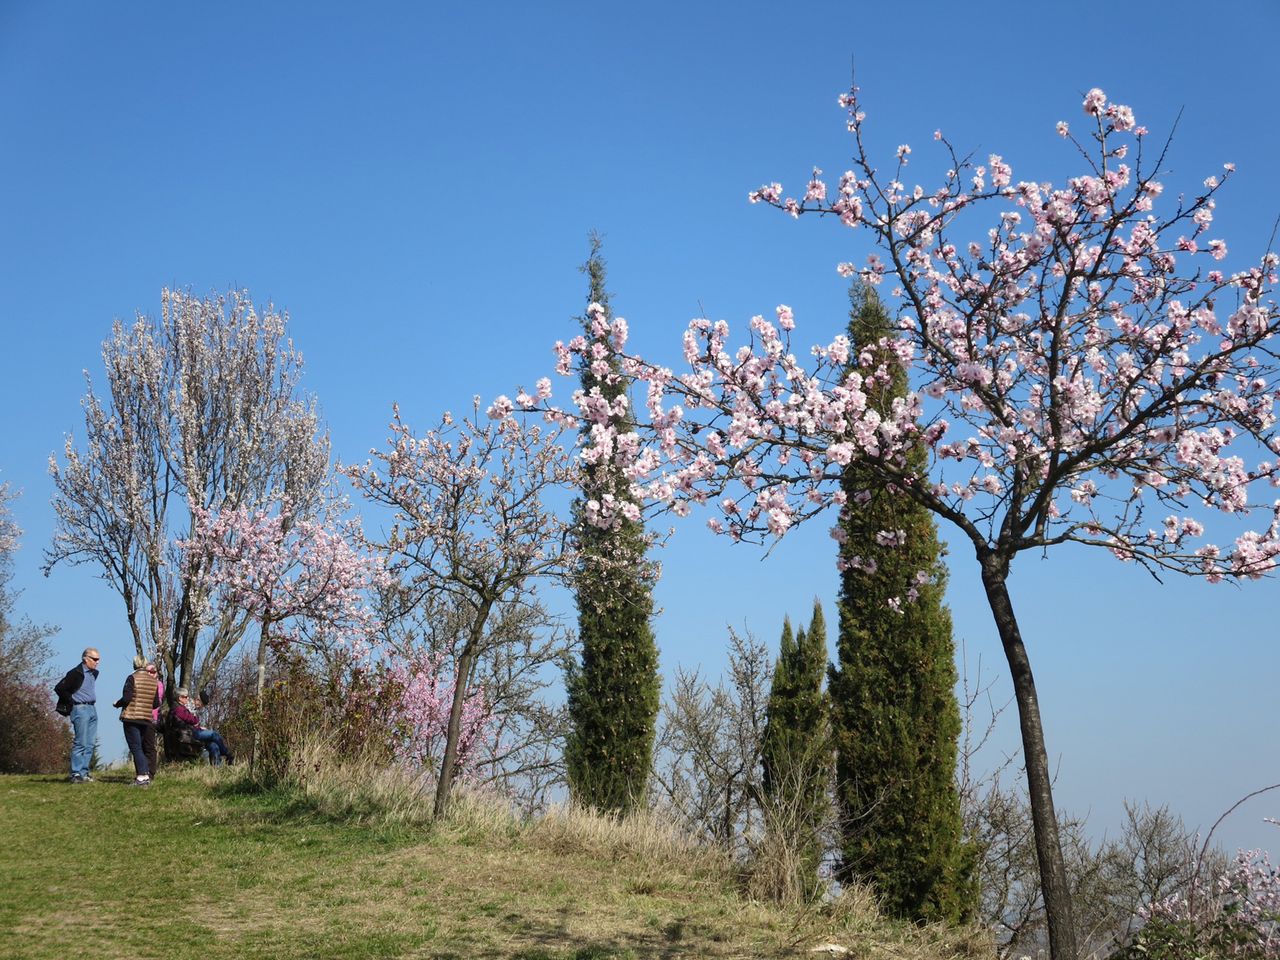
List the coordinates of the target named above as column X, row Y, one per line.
column 141, row 696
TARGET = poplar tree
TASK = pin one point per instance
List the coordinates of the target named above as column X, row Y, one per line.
column 614, row 692
column 894, row 713
column 796, row 750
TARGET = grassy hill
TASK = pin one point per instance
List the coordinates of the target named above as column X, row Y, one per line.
column 205, row 865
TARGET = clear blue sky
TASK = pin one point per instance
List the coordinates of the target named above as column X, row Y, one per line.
column 415, row 184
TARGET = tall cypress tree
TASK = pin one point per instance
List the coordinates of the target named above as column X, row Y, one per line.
column 796, row 748
column 894, row 713
column 613, row 694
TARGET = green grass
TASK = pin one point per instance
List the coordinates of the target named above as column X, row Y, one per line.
column 206, row 866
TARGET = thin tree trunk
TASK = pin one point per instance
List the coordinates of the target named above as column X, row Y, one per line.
column 262, row 683
column 1053, row 874
column 461, row 681
column 189, row 639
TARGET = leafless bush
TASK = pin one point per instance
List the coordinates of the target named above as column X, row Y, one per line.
column 33, row 739
column 707, row 756
column 785, row 859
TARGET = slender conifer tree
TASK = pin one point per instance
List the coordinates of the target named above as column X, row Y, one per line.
column 894, row 713
column 796, row 750
column 614, row 693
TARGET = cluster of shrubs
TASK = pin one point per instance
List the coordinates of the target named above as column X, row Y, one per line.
column 33, row 739
column 352, row 711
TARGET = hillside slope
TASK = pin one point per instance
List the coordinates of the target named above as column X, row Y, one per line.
column 202, row 867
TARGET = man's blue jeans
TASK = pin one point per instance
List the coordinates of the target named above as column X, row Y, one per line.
column 84, row 725
column 216, row 746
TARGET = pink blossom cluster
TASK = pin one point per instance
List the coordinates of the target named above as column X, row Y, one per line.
column 287, row 572
column 1246, row 896
column 1071, row 365
column 467, row 495
column 427, row 684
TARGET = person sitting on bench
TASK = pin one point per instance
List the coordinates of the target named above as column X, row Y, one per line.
column 211, row 740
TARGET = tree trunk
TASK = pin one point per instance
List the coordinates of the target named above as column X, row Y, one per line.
column 262, row 683
column 461, row 681
column 187, row 641
column 1053, row 874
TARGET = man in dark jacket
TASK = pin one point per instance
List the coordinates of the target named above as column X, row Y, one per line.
column 77, row 699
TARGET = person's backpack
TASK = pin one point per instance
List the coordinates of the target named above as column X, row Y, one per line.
column 63, row 706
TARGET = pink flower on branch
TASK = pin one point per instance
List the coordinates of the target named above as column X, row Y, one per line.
column 1068, row 349
column 427, row 683
column 288, row 573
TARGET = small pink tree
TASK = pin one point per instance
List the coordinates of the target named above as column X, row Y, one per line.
column 470, row 521
column 426, row 703
column 1233, row 914
column 285, row 573
column 1079, row 364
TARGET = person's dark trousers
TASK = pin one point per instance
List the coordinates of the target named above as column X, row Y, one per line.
column 149, row 747
column 133, row 734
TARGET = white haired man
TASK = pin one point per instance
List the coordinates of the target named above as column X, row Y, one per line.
column 77, row 700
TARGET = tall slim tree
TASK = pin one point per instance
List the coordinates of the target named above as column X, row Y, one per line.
column 894, row 709
column 203, row 408
column 614, row 693
column 795, row 755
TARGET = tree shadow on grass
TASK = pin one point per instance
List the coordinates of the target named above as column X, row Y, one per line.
column 538, row 939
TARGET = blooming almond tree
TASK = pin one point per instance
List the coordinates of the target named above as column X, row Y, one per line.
column 1082, row 371
column 470, row 522
column 285, row 573
column 9, row 530
column 203, row 406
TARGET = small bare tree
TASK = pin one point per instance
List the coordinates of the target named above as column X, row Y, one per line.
column 707, row 767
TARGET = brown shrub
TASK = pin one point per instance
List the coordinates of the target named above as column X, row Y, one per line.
column 33, row 739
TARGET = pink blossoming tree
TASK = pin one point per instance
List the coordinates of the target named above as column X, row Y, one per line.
column 1083, row 371
column 286, row 573
column 428, row 685
column 470, row 522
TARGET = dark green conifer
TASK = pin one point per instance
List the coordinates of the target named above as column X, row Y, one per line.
column 895, row 719
column 796, row 748
column 613, row 694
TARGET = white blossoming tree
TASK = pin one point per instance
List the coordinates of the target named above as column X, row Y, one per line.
column 202, row 411
column 471, row 522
